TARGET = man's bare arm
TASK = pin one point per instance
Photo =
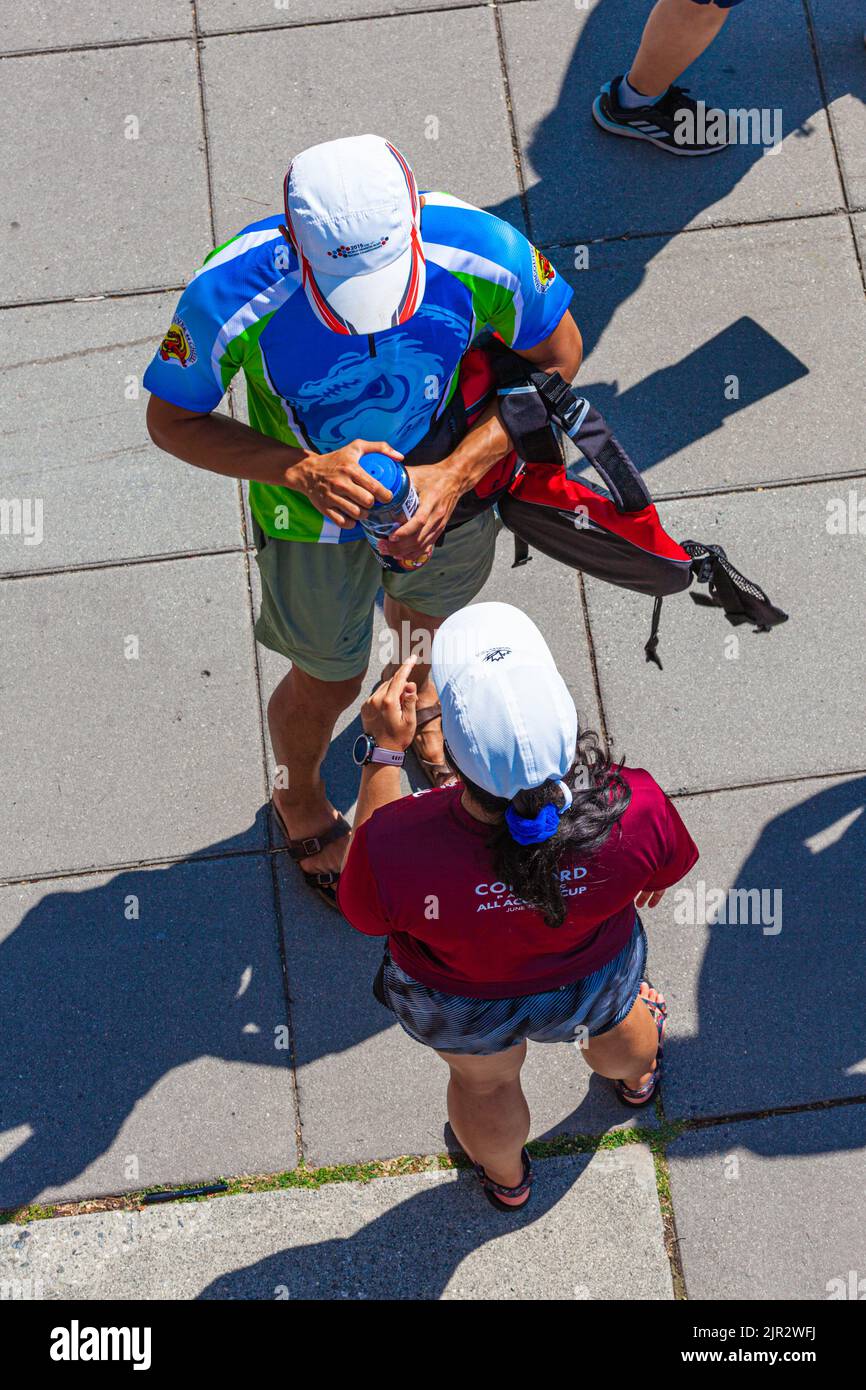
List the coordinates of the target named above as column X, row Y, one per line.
column 335, row 483
column 562, row 352
column 488, row 440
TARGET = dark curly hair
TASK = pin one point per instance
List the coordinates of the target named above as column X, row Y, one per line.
column 531, row 872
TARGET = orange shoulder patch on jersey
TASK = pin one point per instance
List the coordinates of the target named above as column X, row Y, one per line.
column 543, row 272
column 178, row 344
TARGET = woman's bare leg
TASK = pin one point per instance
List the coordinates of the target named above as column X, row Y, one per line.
column 488, row 1111
column 628, row 1052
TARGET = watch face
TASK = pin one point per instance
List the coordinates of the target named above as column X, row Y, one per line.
column 361, row 749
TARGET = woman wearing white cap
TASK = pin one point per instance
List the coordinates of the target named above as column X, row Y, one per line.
column 508, row 899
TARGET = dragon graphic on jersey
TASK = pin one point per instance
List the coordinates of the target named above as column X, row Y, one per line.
column 347, row 402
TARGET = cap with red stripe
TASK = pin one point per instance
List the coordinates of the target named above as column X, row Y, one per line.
column 354, row 217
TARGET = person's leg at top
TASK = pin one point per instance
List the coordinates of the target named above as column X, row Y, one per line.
column 644, row 103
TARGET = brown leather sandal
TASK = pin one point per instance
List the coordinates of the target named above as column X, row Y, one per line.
column 322, row 881
column 437, row 774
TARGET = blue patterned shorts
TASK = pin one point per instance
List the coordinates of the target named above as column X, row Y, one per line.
column 456, row 1023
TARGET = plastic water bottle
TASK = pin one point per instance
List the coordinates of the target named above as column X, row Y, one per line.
column 385, row 517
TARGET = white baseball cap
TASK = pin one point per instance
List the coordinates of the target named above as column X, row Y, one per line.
column 507, row 715
column 354, row 217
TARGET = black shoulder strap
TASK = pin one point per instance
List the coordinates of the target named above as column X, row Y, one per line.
column 593, row 437
column 529, row 400
column 524, row 413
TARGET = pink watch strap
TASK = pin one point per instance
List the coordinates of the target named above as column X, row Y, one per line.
column 387, row 755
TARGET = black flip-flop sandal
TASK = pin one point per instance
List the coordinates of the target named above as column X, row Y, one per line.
column 494, row 1190
column 322, row 881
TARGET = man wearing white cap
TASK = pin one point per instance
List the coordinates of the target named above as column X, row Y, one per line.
column 509, row 899
column 349, row 314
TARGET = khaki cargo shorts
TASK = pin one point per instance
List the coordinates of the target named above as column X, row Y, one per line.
column 318, row 600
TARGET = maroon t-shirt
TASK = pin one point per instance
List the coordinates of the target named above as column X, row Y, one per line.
column 419, row 871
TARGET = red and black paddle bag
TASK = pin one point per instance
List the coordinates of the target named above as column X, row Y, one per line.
column 613, row 534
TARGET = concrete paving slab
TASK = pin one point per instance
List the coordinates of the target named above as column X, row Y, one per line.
column 558, row 56
column 397, row 89
column 39, row 24
column 838, row 27
column 859, row 224
column 77, row 440
column 134, row 197
column 774, row 902
column 732, row 706
column 716, row 380
column 112, row 758
column 217, row 16
column 773, row 1209
column 141, row 1048
column 592, row 1231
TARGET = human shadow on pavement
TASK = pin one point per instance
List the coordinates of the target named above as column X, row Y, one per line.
column 409, row 1252
column 672, row 407
column 105, row 1007
column 109, row 988
column 584, row 184
column 780, row 1013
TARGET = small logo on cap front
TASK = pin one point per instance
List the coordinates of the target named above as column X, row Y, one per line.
column 361, row 248
column 496, row 654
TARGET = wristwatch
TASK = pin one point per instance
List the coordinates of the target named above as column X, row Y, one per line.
column 366, row 750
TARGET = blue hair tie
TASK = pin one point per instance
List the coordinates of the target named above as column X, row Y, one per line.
column 533, row 830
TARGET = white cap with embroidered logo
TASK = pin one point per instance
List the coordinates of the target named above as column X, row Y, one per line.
column 507, row 714
column 354, row 218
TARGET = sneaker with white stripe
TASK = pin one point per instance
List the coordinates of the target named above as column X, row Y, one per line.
column 672, row 122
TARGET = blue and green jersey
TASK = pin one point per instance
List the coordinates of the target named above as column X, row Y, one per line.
column 246, row 310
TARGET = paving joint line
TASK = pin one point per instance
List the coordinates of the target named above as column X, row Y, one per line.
column 61, row 299
column 670, row 1234
column 290, row 1022
column 821, row 214
column 792, row 779
column 128, row 563
column 512, row 122
column 768, row 485
column 134, row 292
column 208, row 169
column 403, row 1165
column 740, row 1117
column 239, row 494
column 593, row 662
column 88, row 567
column 837, row 155
column 136, row 865
column 273, row 851
column 662, row 1170
column 145, row 41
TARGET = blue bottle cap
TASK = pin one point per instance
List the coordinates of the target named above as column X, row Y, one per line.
column 385, row 470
